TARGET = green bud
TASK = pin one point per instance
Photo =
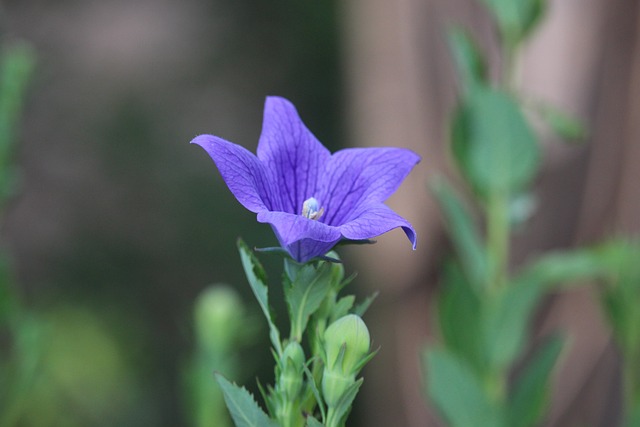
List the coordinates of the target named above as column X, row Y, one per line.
column 218, row 317
column 351, row 332
column 346, row 345
column 334, row 385
column 292, row 370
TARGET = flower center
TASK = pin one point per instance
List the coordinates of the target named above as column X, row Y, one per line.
column 311, row 209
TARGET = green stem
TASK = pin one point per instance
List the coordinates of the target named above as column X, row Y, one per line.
column 498, row 240
column 332, row 420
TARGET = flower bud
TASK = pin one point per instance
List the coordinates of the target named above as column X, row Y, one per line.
column 292, row 370
column 346, row 345
column 218, row 317
column 351, row 332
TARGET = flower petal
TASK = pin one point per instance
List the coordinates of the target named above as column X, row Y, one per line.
column 361, row 176
column 242, row 172
column 291, row 154
column 303, row 238
column 374, row 220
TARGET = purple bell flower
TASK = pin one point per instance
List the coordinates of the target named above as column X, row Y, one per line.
column 313, row 199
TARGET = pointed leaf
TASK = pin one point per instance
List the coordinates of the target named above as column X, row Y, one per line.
column 457, row 392
column 516, row 18
column 257, row 280
column 460, row 317
column 362, row 308
column 506, row 324
column 312, row 422
column 342, row 307
column 343, row 406
column 529, row 396
column 305, row 295
column 463, row 232
column 564, row 125
column 561, row 269
column 243, row 408
column 470, row 63
column 493, row 143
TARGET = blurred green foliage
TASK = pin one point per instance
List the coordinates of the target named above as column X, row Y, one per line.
column 484, row 310
column 144, row 229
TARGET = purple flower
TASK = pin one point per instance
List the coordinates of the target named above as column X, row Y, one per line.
column 312, row 198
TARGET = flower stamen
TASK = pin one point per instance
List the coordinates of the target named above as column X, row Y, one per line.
column 311, row 209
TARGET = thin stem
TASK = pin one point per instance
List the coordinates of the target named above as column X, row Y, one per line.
column 498, row 230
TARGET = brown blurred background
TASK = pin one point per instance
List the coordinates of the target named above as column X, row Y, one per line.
column 120, row 219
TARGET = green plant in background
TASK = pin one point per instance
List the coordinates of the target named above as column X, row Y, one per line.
column 619, row 293
column 484, row 310
column 23, row 329
column 222, row 327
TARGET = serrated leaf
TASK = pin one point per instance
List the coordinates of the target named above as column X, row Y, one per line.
column 305, row 295
column 243, row 408
column 457, row 392
column 493, row 143
column 463, row 232
column 257, row 280
column 471, row 65
column 529, row 396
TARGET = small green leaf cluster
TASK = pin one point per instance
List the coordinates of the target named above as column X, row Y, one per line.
column 309, row 391
column 484, row 310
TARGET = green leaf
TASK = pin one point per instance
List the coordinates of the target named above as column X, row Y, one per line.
column 561, row 269
column 564, row 125
column 463, row 231
column 508, row 314
column 505, row 324
column 343, row 406
column 457, row 392
column 16, row 67
column 312, row 422
column 530, row 393
column 311, row 381
column 305, row 294
column 242, row 406
column 257, row 280
column 493, row 144
column 471, row 65
column 342, row 307
column 459, row 316
column 621, row 293
column 516, row 18
column 362, row 307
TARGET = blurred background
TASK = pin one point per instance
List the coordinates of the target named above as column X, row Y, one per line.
column 119, row 223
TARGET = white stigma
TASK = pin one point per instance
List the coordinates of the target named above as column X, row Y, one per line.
column 311, row 209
